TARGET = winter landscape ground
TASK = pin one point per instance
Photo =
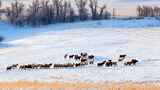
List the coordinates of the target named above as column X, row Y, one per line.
column 136, row 36
column 104, row 39
column 41, row 32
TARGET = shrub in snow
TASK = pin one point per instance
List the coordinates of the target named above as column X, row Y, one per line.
column 1, row 38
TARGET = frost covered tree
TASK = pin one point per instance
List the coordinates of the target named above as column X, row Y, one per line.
column 43, row 12
column 107, row 14
column 0, row 3
column 58, row 8
column 65, row 11
column 61, row 10
column 82, row 9
column 139, row 11
column 68, row 12
column 97, row 12
column 157, row 11
column 0, row 9
column 147, row 11
column 46, row 12
column 33, row 13
column 71, row 13
column 15, row 13
column 93, row 7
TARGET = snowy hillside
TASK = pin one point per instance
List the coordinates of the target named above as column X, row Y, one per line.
column 12, row 32
column 105, row 39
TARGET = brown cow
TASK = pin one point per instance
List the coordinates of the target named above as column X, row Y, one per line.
column 77, row 64
column 45, row 66
column 84, row 61
column 132, row 62
column 114, row 63
column 109, row 63
column 68, row 65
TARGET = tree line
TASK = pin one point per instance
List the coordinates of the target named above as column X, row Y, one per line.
column 42, row 12
column 148, row 11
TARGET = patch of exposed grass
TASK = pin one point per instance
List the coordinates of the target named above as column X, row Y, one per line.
column 20, row 85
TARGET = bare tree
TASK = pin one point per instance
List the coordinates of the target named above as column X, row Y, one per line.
column 102, row 12
column 15, row 13
column 147, row 11
column 82, row 10
column 93, row 6
column 139, row 11
column 97, row 12
column 71, row 13
column 33, row 13
column 0, row 4
column 107, row 14
column 67, row 12
column 45, row 14
column 58, row 9
column 47, row 11
column 64, row 11
column 156, row 11
column 0, row 9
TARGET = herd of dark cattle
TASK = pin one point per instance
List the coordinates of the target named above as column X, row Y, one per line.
column 82, row 58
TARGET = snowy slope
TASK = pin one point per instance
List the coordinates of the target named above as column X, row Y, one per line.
column 12, row 32
column 105, row 39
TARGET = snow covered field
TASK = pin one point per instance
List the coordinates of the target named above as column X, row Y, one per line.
column 105, row 39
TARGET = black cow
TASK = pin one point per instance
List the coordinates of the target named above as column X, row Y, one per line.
column 121, row 57
column 110, row 63
column 101, row 64
column 84, row 54
column 91, row 57
column 65, row 56
column 71, row 56
column 77, row 57
column 11, row 67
